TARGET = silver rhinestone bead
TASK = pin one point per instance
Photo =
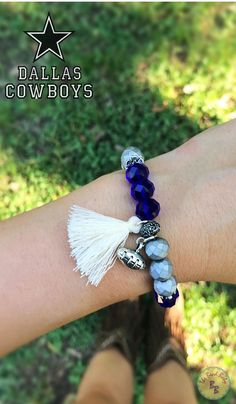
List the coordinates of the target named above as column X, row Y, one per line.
column 165, row 288
column 150, row 228
column 131, row 155
column 157, row 249
column 161, row 270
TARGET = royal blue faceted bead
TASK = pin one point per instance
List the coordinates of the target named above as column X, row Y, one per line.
column 147, row 209
column 167, row 301
column 142, row 191
column 137, row 173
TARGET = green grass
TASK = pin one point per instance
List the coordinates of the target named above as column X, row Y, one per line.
column 161, row 73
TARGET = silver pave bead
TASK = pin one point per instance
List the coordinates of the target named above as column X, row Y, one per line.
column 149, row 228
column 130, row 156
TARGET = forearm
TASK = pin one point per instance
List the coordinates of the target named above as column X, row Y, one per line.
column 40, row 292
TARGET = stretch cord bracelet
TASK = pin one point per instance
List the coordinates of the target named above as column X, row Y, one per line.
column 96, row 241
column 147, row 208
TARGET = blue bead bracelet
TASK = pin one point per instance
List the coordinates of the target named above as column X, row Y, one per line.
column 147, row 209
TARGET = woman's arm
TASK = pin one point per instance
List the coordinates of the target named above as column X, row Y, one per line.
column 196, row 187
column 39, row 291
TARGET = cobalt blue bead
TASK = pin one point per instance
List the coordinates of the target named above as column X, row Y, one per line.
column 137, row 173
column 147, row 209
column 142, row 191
column 167, row 301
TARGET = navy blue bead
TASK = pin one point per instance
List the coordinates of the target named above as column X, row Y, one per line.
column 142, row 191
column 137, row 173
column 167, row 302
column 147, row 209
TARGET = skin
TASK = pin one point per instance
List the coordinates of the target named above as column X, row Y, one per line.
column 196, row 187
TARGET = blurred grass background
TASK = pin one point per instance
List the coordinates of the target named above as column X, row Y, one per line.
column 161, row 73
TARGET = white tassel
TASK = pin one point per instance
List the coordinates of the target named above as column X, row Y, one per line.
column 94, row 240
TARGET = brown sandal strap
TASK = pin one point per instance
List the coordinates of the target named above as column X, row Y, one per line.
column 168, row 352
column 117, row 340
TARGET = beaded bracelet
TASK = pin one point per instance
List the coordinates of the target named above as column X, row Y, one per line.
column 147, row 208
column 96, row 241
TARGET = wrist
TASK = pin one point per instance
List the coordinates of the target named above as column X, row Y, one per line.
column 119, row 204
column 179, row 217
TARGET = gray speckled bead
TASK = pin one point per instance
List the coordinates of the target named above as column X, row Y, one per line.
column 131, row 155
column 157, row 249
column 161, row 270
column 166, row 288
